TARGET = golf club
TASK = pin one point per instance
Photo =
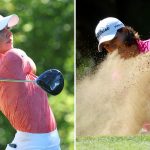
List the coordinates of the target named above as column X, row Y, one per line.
column 51, row 81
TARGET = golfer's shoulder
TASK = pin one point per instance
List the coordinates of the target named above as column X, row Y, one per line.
column 14, row 55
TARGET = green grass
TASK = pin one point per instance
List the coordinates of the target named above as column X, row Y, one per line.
column 140, row 142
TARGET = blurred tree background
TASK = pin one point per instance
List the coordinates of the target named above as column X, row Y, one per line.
column 89, row 13
column 46, row 33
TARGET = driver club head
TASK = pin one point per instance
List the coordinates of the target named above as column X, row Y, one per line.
column 51, row 81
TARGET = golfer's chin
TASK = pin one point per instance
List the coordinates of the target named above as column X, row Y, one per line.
column 7, row 48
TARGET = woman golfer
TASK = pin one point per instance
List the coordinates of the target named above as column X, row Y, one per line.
column 113, row 35
column 24, row 104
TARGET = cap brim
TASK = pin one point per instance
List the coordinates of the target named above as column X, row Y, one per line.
column 104, row 39
column 9, row 21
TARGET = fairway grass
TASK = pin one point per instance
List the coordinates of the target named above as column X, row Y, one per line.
column 140, row 142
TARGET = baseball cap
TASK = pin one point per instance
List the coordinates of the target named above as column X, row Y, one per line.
column 107, row 29
column 8, row 21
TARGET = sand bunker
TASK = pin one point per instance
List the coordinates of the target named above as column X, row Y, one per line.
column 115, row 100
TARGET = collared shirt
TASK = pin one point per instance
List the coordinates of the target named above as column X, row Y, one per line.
column 24, row 104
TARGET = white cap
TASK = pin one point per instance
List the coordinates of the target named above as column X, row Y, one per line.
column 107, row 29
column 8, row 21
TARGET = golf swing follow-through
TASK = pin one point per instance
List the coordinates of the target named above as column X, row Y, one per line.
column 23, row 99
column 51, row 81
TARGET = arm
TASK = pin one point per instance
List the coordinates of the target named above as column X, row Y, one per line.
column 12, row 65
column 144, row 46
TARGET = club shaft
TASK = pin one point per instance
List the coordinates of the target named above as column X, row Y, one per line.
column 15, row 80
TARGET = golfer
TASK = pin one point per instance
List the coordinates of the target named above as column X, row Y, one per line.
column 113, row 35
column 24, row 104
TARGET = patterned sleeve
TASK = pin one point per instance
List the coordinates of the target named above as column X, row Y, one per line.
column 144, row 46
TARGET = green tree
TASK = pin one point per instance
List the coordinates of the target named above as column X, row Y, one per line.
column 46, row 33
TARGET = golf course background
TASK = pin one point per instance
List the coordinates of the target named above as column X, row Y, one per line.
column 46, row 33
column 141, row 142
column 89, row 13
